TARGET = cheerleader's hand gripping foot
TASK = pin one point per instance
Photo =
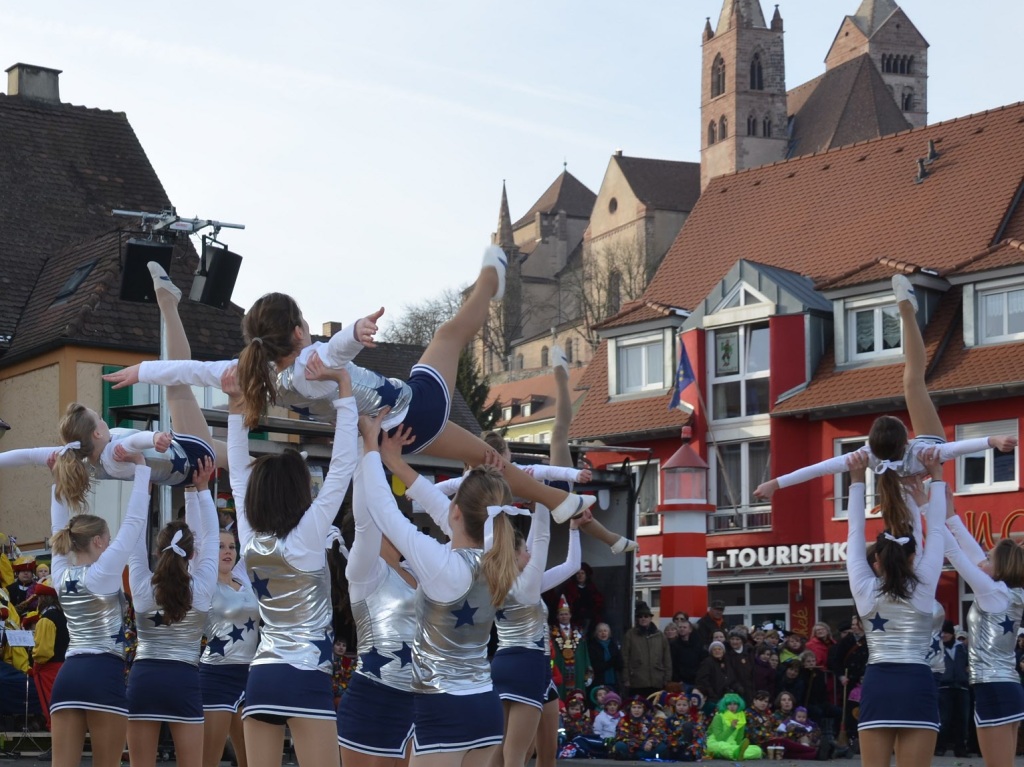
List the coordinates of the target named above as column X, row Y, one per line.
column 161, row 281
column 573, row 506
column 495, row 256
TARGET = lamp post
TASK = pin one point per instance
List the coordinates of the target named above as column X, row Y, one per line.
column 684, row 571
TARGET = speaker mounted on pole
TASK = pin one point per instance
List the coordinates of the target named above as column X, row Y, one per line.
column 136, row 281
column 218, row 271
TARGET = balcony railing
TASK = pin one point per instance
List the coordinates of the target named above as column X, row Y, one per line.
column 740, row 520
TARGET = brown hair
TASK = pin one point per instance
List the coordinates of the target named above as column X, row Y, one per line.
column 895, row 565
column 71, row 474
column 172, row 586
column 484, row 486
column 81, row 529
column 888, row 441
column 269, row 331
column 278, row 493
column 495, row 441
column 1008, row 563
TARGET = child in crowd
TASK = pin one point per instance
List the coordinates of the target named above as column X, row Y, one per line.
column 800, row 729
column 760, row 723
column 606, row 722
column 597, row 695
column 727, row 736
column 684, row 738
column 638, row 735
column 341, row 670
column 576, row 719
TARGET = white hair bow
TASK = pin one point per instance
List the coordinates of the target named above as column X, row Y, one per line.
column 492, row 512
column 902, row 540
column 885, row 464
column 70, row 446
column 174, row 544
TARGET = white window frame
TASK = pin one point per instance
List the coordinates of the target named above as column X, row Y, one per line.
column 839, row 501
column 645, row 342
column 989, row 289
column 876, row 305
column 747, row 507
column 525, row 409
column 653, row 475
column 982, row 429
column 741, row 376
column 506, row 413
column 744, row 614
column 544, row 438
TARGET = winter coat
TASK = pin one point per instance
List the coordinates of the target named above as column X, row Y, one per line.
column 646, row 659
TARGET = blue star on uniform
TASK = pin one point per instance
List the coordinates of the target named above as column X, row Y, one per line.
column 1007, row 624
column 217, row 645
column 464, row 615
column 936, row 644
column 260, row 586
column 157, row 618
column 303, row 412
column 878, row 622
column 236, row 633
column 250, row 625
column 179, row 463
column 119, row 638
column 388, row 394
column 540, row 643
column 71, row 586
column 325, row 646
column 499, row 615
column 373, row 662
column 404, row 655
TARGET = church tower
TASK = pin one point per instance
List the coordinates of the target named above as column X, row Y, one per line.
column 743, row 91
column 881, row 29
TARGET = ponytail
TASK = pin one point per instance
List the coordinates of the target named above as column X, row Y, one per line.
column 71, row 473
column 81, row 529
column 269, row 331
column 896, row 515
column 172, row 585
column 484, row 486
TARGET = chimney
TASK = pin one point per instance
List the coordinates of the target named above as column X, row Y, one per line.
column 922, row 174
column 31, row 82
column 933, row 154
column 330, row 328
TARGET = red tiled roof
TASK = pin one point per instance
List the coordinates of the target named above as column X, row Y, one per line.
column 634, row 312
column 1005, row 253
column 540, row 389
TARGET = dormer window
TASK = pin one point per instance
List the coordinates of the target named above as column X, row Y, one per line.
column 641, row 363
column 525, row 409
column 739, row 371
column 873, row 328
column 506, row 413
column 1001, row 313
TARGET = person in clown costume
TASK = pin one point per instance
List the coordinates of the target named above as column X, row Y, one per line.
column 727, row 736
column 570, row 649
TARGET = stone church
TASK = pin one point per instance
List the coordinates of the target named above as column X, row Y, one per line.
column 578, row 256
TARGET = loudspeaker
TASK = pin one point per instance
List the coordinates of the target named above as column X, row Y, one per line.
column 214, row 287
column 136, row 281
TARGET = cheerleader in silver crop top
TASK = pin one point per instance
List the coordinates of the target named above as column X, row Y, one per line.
column 232, row 634
column 283, row 532
column 171, row 606
column 274, row 368
column 460, row 584
column 899, row 704
column 992, row 623
column 375, row 717
column 87, row 568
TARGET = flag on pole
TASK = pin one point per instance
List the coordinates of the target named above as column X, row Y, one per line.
column 684, row 377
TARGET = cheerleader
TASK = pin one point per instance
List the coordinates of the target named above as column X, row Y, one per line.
column 457, row 713
column 272, row 370
column 283, row 533
column 89, row 444
column 375, row 718
column 231, row 639
column 171, row 608
column 899, row 704
column 997, row 581
column 88, row 694
column 891, row 454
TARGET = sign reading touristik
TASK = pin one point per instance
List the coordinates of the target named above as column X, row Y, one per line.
column 774, row 556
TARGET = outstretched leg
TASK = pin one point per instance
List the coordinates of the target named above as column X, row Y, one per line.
column 924, row 418
column 561, row 455
column 442, row 353
column 186, row 415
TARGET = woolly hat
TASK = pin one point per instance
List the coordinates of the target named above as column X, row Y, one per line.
column 576, row 696
column 715, row 644
column 595, row 689
column 731, row 697
column 641, row 700
column 612, row 697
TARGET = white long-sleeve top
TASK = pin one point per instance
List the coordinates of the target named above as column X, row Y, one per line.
column 927, row 564
column 539, row 471
column 965, row 554
column 365, row 569
column 131, row 440
column 840, row 463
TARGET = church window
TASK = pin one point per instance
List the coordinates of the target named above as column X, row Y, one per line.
column 903, row 65
column 886, row 63
column 766, row 127
column 908, row 100
column 614, row 292
column 519, row 362
column 712, row 133
column 723, row 129
column 718, row 76
column 568, row 350
column 910, row 65
column 543, row 356
column 751, row 126
column 756, row 73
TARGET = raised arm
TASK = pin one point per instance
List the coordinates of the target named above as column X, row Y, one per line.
column 365, row 569
column 140, row 577
column 574, row 559
column 862, row 579
column 59, row 518
column 528, row 585
column 28, row 456
column 418, row 489
column 344, row 345
column 105, row 575
column 991, row 596
column 449, row 487
column 204, row 574
column 171, row 373
column 928, row 565
column 950, row 450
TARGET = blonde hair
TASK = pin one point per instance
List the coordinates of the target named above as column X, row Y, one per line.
column 269, row 331
column 81, row 529
column 71, row 473
column 484, row 486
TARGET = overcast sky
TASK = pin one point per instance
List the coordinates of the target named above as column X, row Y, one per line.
column 364, row 145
